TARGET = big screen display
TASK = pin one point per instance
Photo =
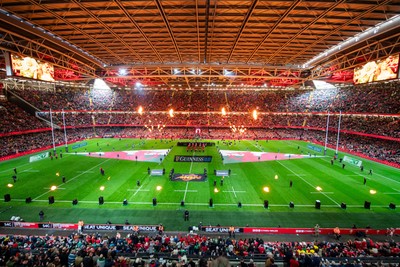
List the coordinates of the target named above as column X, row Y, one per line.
column 31, row 68
column 380, row 70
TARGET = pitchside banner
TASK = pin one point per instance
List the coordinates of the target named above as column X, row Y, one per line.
column 192, row 158
column 315, row 148
column 211, row 229
column 39, row 157
column 75, row 146
column 65, row 226
column 352, row 161
column 207, row 229
column 113, row 227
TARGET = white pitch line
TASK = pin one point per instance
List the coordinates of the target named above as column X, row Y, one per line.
column 234, row 191
column 30, row 170
column 143, row 190
column 137, row 191
column 308, row 183
column 191, row 164
column 73, row 178
column 187, row 185
column 56, row 188
column 84, row 171
column 364, row 175
column 387, row 178
column 321, row 192
column 12, row 170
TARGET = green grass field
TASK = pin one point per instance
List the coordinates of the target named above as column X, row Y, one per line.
column 245, row 184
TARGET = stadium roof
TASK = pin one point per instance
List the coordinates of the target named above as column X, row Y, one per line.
column 195, row 42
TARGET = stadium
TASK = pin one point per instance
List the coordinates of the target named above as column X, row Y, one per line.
column 156, row 132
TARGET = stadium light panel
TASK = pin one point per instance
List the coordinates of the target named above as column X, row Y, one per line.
column 122, row 72
column 323, row 85
column 100, row 84
column 228, row 73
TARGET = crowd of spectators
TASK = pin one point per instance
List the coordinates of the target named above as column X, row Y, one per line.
column 15, row 119
column 381, row 149
column 15, row 144
column 107, row 110
column 102, row 250
column 113, row 112
column 382, row 98
column 376, row 125
column 203, row 108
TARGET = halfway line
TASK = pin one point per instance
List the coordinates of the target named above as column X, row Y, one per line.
column 191, row 164
column 187, row 185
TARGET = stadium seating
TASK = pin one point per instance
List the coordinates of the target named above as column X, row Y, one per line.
column 356, row 102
